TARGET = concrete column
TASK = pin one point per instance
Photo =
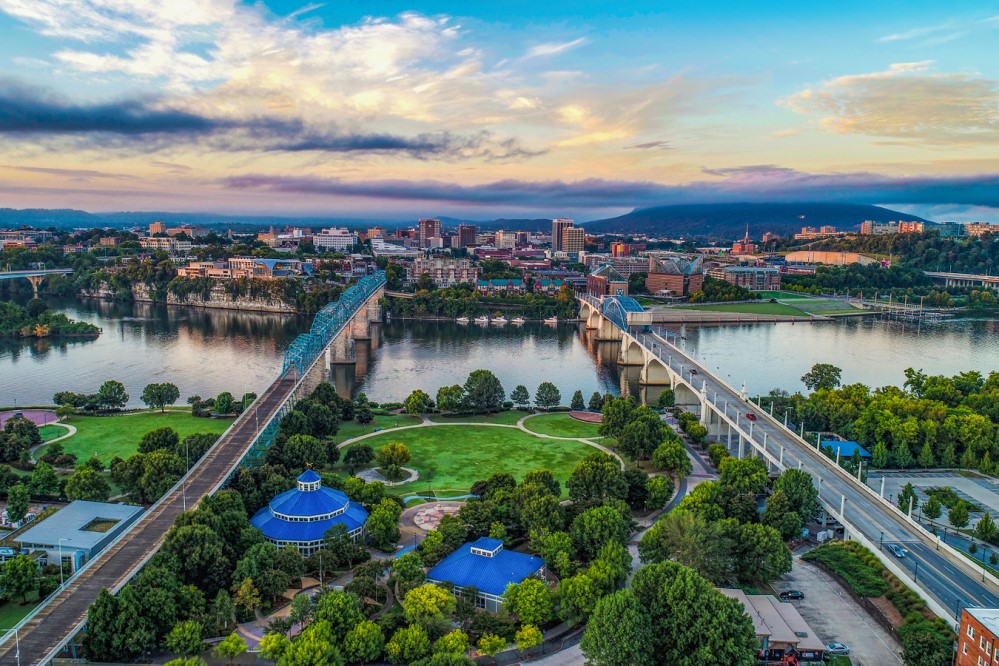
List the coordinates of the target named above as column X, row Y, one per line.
column 781, row 456
column 35, row 280
column 342, row 349
column 373, row 310
column 742, row 446
column 882, row 493
column 359, row 327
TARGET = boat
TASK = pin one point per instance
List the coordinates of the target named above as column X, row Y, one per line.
column 517, row 320
column 551, row 320
column 462, row 320
column 500, row 321
column 482, row 320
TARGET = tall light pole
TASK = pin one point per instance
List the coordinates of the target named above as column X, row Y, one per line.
column 17, row 645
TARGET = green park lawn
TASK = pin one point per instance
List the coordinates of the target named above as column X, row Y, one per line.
column 50, row 432
column 508, row 417
column 110, row 436
column 351, row 429
column 753, row 308
column 561, row 425
column 452, row 458
column 11, row 612
column 783, row 295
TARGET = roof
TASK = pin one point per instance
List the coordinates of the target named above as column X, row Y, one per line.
column 989, row 617
column 501, row 282
column 750, row 269
column 780, row 622
column 68, row 522
column 304, row 503
column 610, row 273
column 678, row 266
column 488, row 574
column 629, row 304
column 309, row 476
column 282, row 530
column 846, row 447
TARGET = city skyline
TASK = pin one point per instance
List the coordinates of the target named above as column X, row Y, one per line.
column 513, row 110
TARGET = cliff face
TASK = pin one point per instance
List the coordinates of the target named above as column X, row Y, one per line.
column 218, row 299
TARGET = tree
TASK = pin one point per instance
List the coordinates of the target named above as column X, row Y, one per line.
column 44, row 482
column 880, row 457
column 617, row 633
column 186, row 661
column 616, row 415
column 595, row 527
column 225, row 403
column 313, row 647
column 164, row 438
column 231, row 647
column 160, row 395
column 408, row 645
column 520, row 396
column 529, row 636
column 483, row 392
column 19, row 577
column 111, row 395
column 932, row 508
column 273, row 645
column 18, row 498
column 530, row 600
column 908, row 494
column 822, row 376
column 598, row 476
column 666, row 400
column 697, row 432
column 453, row 642
column 185, row 639
column 547, row 396
column 451, row 398
column 690, row 622
column 644, row 431
column 491, row 644
column 364, row 643
column 798, row 487
column 382, row 524
column 245, row 595
column 577, row 597
column 418, row 402
column 745, row 475
column 393, row 453
column 658, row 491
column 596, row 402
column 577, row 402
column 428, row 604
column 359, row 455
column 924, row 644
column 322, row 421
column 301, row 451
column 779, row 514
column 339, row 612
column 986, row 528
column 86, row 484
column 926, row 458
column 671, row 457
column 958, row 515
column 761, row 555
column 364, row 415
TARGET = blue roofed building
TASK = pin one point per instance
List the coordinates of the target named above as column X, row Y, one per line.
column 846, row 448
column 302, row 516
column 486, row 566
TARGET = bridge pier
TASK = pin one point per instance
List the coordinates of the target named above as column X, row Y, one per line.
column 359, row 328
column 374, row 311
column 35, row 281
column 341, row 349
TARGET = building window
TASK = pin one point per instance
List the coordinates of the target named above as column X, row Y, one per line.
column 964, row 649
column 971, row 631
column 480, row 602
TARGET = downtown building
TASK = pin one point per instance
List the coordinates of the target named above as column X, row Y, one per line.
column 334, row 239
column 444, row 271
column 428, row 232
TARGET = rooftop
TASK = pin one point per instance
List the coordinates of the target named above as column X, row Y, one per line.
column 846, row 447
column 989, row 617
column 780, row 622
column 488, row 573
column 73, row 524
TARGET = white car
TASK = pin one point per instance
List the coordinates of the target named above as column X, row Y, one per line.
column 838, row 648
column 897, row 551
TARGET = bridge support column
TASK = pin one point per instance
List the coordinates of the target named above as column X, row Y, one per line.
column 342, row 348
column 35, row 281
column 742, row 447
column 359, row 329
column 373, row 311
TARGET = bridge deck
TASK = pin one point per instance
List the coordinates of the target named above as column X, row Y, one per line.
column 62, row 617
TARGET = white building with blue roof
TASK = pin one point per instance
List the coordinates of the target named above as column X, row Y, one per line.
column 302, row 516
column 486, row 566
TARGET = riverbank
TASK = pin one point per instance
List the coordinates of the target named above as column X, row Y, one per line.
column 219, row 300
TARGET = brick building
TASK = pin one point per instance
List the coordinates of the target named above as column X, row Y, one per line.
column 443, row 271
column 977, row 644
column 606, row 281
column 676, row 275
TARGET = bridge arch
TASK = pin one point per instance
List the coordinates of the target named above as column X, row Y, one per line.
column 655, row 373
column 632, row 353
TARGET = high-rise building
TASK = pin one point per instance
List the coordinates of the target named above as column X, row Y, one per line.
column 336, row 239
column 466, row 235
column 506, row 240
column 558, row 225
column 157, row 228
column 573, row 239
column 428, row 228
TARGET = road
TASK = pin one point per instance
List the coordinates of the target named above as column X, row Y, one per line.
column 62, row 617
column 951, row 587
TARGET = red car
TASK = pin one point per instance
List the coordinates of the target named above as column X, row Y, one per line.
column 751, row 416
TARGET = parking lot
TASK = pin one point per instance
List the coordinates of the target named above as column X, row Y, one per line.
column 837, row 618
column 978, row 490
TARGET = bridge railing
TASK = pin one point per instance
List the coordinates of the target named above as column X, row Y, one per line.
column 329, row 321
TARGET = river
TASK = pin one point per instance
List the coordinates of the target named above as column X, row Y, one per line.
column 205, row 352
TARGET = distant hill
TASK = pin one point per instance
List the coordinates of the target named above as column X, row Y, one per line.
column 527, row 224
column 726, row 221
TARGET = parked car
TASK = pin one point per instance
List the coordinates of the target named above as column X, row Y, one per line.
column 838, row 648
column 792, row 595
column 896, row 550
column 751, row 416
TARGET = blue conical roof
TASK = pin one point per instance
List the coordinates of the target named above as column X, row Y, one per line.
column 309, row 476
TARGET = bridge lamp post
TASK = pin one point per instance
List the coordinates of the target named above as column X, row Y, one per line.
column 17, row 644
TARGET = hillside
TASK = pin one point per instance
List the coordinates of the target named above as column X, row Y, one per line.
column 728, row 221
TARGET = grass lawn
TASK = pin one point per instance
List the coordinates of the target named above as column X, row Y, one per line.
column 753, row 308
column 783, row 295
column 561, row 425
column 351, row 429
column 509, row 417
column 110, row 436
column 455, row 457
column 11, row 612
column 826, row 306
column 840, row 660
column 50, row 432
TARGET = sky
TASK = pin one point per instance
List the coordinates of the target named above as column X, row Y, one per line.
column 585, row 109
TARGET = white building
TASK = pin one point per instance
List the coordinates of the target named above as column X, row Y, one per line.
column 382, row 248
column 334, row 239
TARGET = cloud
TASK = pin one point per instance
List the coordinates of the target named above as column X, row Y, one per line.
column 553, row 48
column 754, row 183
column 661, row 145
column 906, row 102
column 76, row 174
column 31, row 112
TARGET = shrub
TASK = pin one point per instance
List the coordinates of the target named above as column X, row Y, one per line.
column 863, row 579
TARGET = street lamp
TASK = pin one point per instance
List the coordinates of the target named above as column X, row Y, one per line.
column 17, row 645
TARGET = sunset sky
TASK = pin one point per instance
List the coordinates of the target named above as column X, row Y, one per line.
column 586, row 109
